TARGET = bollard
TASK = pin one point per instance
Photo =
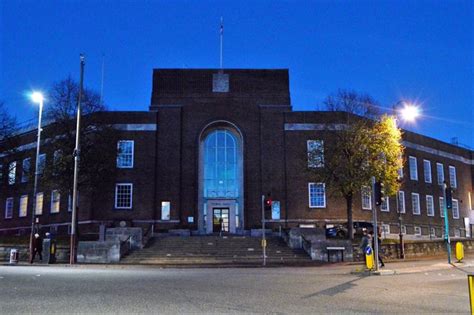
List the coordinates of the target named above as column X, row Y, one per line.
column 13, row 256
column 459, row 251
column 369, row 258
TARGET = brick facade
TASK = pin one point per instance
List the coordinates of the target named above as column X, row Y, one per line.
column 254, row 105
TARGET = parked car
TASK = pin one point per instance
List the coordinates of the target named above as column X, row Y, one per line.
column 340, row 230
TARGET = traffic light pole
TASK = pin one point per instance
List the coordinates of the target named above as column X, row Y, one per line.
column 446, row 224
column 264, row 241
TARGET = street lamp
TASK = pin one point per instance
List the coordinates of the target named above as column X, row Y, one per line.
column 38, row 98
column 409, row 112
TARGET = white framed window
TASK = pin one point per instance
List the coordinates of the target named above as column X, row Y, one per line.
column 415, row 203
column 441, row 207
column 123, row 196
column 400, row 170
column 440, row 173
column 9, row 208
column 39, row 203
column 22, row 211
column 452, row 177
column 417, row 231
column 125, row 149
column 165, row 210
column 385, row 229
column 317, row 195
column 55, row 200
column 429, row 205
column 366, row 193
column 455, row 209
column 413, row 168
column 275, row 210
column 11, row 173
column 385, row 205
column 427, row 171
column 41, row 163
column 401, row 201
column 457, row 232
column 404, row 229
column 315, row 153
column 433, row 232
column 25, row 171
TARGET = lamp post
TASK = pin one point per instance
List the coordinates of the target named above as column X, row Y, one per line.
column 36, row 97
column 409, row 113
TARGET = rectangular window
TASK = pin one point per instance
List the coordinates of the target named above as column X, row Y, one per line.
column 123, row 196
column 315, row 153
column 441, row 207
column 41, row 163
column 457, row 233
column 433, row 232
column 125, row 150
column 385, row 206
column 39, row 204
column 9, row 208
column 404, row 229
column 455, row 209
column 165, row 210
column 400, row 170
column 413, row 168
column 11, row 173
column 69, row 202
column 317, row 195
column 429, row 205
column 401, row 201
column 427, row 171
column 440, row 173
column 275, row 210
column 366, row 193
column 452, row 177
column 415, row 203
column 23, row 206
column 417, row 230
column 55, row 199
column 385, row 229
column 26, row 168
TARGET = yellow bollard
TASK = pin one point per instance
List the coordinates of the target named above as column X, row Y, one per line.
column 459, row 251
column 470, row 281
column 369, row 257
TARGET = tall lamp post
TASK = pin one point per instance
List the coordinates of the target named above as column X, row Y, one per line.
column 409, row 113
column 36, row 97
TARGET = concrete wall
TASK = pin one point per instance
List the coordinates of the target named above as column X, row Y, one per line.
column 98, row 252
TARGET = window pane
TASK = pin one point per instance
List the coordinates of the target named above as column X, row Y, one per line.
column 123, row 196
column 39, row 204
column 23, row 206
column 125, row 150
column 165, row 210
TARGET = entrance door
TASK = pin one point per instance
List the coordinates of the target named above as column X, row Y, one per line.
column 220, row 215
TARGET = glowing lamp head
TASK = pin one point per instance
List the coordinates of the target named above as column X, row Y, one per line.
column 37, row 97
column 410, row 112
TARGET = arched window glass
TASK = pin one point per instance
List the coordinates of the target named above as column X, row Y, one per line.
column 220, row 165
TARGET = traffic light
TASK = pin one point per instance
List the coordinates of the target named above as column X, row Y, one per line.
column 268, row 204
column 449, row 197
column 378, row 193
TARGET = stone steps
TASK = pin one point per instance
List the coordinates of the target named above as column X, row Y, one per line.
column 214, row 250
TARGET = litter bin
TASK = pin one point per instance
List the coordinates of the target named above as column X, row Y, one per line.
column 14, row 256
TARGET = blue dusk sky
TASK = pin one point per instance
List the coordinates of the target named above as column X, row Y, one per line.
column 396, row 50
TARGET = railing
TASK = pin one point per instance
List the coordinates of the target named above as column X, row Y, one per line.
column 306, row 244
column 124, row 247
column 149, row 233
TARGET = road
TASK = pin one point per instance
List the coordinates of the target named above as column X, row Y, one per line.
column 418, row 287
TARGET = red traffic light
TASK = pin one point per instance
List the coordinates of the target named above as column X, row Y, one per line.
column 268, row 202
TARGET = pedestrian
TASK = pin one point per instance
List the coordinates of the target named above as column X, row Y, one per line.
column 364, row 243
column 221, row 226
column 379, row 240
column 37, row 248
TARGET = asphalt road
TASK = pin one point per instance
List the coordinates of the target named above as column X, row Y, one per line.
column 420, row 287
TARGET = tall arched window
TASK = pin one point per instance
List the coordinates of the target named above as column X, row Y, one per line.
column 220, row 165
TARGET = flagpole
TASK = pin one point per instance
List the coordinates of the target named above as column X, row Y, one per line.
column 222, row 39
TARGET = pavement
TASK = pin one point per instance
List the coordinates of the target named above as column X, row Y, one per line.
column 424, row 286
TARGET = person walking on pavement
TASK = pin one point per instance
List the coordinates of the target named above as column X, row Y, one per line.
column 37, row 248
column 379, row 240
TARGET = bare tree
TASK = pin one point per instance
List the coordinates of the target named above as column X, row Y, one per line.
column 8, row 123
column 352, row 102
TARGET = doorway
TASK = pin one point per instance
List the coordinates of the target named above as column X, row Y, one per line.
column 220, row 215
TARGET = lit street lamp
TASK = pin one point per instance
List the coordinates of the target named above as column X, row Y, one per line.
column 36, row 97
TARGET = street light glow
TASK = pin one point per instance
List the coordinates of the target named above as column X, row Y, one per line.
column 37, row 97
column 409, row 112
